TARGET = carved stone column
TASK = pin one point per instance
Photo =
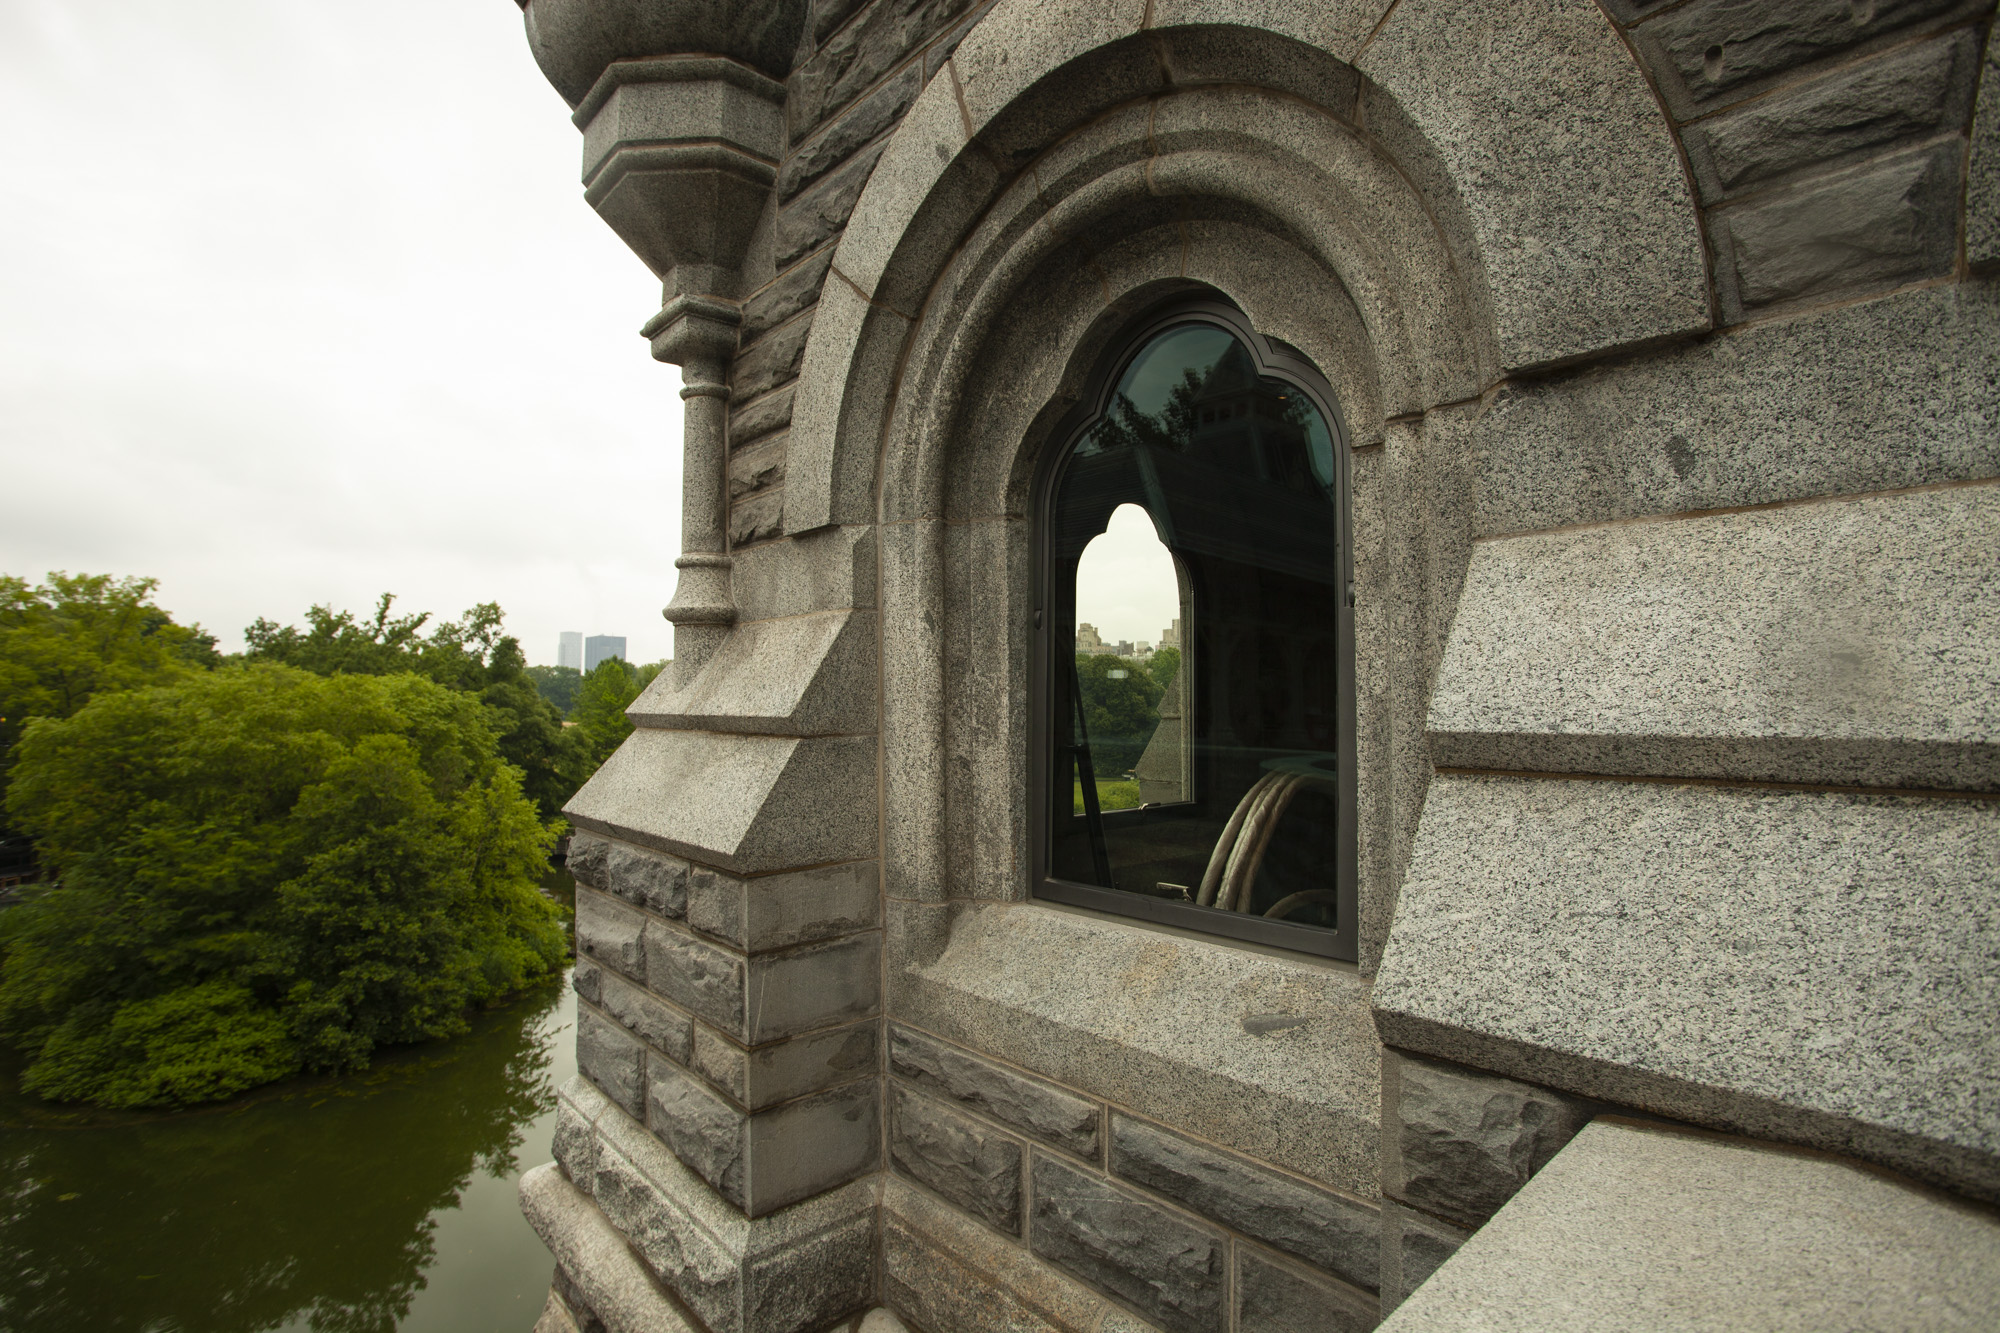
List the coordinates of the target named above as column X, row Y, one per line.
column 679, row 156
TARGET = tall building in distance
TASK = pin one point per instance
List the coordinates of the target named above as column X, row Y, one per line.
column 569, row 649
column 600, row 646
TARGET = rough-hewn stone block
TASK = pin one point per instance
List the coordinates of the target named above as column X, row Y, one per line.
column 757, row 518
column 1413, row 1245
column 1339, row 1235
column 1893, row 223
column 758, row 468
column 587, row 979
column 1171, row 1270
column 772, row 412
column 1460, row 1143
column 766, row 1075
column 645, row 879
column 646, row 1016
column 974, row 1166
column 840, row 140
column 808, row 221
column 1274, row 1297
column 1903, row 95
column 702, row 1129
column 1716, row 45
column 1029, row 1105
column 696, row 975
column 775, row 911
column 861, row 53
column 612, row 1058
column 609, row 931
column 777, row 301
column 771, row 361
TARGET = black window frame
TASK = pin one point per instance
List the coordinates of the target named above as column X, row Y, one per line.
column 1276, row 360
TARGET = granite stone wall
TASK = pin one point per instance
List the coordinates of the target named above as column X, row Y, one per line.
column 1827, row 140
column 1186, row 1234
column 860, row 67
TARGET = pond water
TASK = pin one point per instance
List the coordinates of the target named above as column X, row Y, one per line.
column 377, row 1202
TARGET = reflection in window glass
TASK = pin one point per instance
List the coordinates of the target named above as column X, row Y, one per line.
column 1194, row 541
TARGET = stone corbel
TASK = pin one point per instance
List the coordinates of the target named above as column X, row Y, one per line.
column 679, row 157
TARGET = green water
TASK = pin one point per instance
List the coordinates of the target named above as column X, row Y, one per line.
column 378, row 1202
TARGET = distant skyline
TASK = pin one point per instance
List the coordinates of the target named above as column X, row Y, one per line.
column 301, row 304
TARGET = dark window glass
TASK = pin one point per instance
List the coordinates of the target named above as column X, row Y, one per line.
column 1196, row 688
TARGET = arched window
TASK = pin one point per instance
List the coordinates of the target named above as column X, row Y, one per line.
column 1194, row 694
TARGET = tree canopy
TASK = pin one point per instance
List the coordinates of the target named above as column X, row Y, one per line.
column 78, row 635
column 264, row 871
column 558, row 685
column 1121, row 708
column 468, row 654
column 601, row 700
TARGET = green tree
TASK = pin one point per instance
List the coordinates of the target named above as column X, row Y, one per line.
column 468, row 654
column 601, row 700
column 1121, row 708
column 1163, row 666
column 558, row 685
column 77, row 636
column 264, row 871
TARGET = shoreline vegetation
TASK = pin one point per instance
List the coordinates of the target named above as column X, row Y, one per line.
column 275, row 863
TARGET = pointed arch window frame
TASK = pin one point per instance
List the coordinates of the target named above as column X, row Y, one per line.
column 1272, row 359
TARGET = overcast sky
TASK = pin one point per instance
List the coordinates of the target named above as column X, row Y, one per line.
column 300, row 302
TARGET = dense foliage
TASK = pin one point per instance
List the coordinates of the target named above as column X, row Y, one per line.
column 558, row 685
column 601, row 700
column 1120, row 707
column 77, row 635
column 265, row 871
column 468, row 654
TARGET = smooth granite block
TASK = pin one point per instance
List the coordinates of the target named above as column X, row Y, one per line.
column 1637, row 1227
column 1172, row 1270
column 1982, row 184
column 808, row 675
column 1902, row 391
column 1276, row 1297
column 1853, row 642
column 1458, row 1143
column 1556, row 146
column 968, row 1162
column 1281, row 1061
column 1340, row 1235
column 742, row 803
column 1027, row 1104
column 1808, row 966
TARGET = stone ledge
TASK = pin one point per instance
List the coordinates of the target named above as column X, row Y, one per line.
column 808, row 675
column 620, row 1290
column 1808, row 966
column 741, row 803
column 948, row 1272
column 1847, row 642
column 791, row 1271
column 1632, row 1227
column 1071, row 997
